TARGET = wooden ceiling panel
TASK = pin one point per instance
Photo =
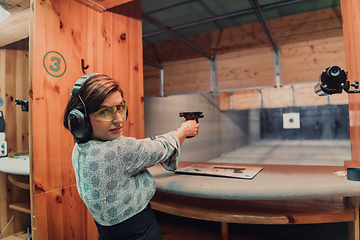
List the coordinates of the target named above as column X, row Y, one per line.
column 16, row 27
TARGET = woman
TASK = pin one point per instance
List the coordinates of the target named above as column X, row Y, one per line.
column 111, row 169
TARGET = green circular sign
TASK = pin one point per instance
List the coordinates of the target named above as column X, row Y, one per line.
column 54, row 64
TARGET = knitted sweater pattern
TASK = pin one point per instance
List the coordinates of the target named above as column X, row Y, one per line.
column 112, row 177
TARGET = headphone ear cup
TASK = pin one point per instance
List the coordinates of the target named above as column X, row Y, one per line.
column 79, row 124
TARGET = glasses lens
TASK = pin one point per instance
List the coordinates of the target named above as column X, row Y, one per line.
column 109, row 113
column 105, row 113
column 122, row 109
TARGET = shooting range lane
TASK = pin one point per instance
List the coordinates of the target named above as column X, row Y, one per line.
column 274, row 182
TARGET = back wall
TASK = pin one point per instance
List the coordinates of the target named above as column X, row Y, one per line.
column 220, row 131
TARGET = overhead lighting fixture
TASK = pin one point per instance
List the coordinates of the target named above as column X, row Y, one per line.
column 4, row 13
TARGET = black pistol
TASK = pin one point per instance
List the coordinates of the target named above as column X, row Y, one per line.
column 191, row 116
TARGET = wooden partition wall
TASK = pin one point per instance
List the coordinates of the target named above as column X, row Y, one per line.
column 63, row 33
column 308, row 43
column 351, row 23
column 14, row 84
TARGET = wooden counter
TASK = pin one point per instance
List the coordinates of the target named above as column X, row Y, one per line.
column 279, row 194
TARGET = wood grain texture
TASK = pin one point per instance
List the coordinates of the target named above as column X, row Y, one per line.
column 243, row 69
column 277, row 97
column 246, row 99
column 304, row 95
column 306, row 211
column 16, row 27
column 351, row 27
column 152, row 83
column 73, row 31
column 187, row 76
column 225, row 100
column 309, row 42
column 14, row 83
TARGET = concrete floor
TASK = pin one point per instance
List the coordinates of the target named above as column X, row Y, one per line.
column 292, row 152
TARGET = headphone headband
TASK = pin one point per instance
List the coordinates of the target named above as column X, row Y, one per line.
column 78, row 121
column 80, row 83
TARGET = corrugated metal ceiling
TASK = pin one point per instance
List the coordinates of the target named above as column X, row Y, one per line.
column 191, row 17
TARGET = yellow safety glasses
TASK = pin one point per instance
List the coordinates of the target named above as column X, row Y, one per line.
column 109, row 113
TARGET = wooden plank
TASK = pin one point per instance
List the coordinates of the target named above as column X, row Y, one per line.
column 224, row 100
column 224, row 231
column 17, row 236
column 10, row 89
column 14, row 85
column 173, row 50
column 19, row 181
column 353, row 226
column 91, row 36
column 22, row 93
column 21, row 207
column 304, row 95
column 350, row 11
column 284, row 30
column 151, row 81
column 277, row 97
column 306, row 211
column 310, row 40
column 305, row 63
column 241, row 69
column 135, row 65
column 16, row 27
column 222, row 211
column 187, row 76
column 247, row 99
column 337, row 99
column 4, row 212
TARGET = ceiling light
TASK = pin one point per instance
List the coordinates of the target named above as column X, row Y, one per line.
column 4, row 13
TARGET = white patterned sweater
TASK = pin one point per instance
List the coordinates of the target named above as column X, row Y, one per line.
column 112, row 177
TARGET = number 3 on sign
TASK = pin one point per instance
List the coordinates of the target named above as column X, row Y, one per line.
column 54, row 64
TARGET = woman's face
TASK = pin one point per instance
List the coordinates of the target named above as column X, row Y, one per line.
column 108, row 130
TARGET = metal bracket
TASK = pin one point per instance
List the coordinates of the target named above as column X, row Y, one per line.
column 83, row 67
column 162, row 81
column 175, row 35
column 213, row 76
column 261, row 17
column 277, row 68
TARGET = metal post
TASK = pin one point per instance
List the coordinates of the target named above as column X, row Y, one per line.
column 277, row 68
column 162, row 81
column 213, row 76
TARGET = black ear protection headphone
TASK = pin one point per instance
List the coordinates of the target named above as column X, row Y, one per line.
column 79, row 122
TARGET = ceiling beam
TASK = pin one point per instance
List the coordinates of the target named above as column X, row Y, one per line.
column 262, row 19
column 175, row 35
column 224, row 16
column 156, row 65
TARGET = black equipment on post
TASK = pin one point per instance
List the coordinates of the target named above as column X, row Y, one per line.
column 78, row 121
column 333, row 80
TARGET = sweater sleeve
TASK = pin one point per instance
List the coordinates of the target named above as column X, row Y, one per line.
column 145, row 153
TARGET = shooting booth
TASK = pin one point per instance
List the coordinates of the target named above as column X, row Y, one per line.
column 258, row 93
column 46, row 45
